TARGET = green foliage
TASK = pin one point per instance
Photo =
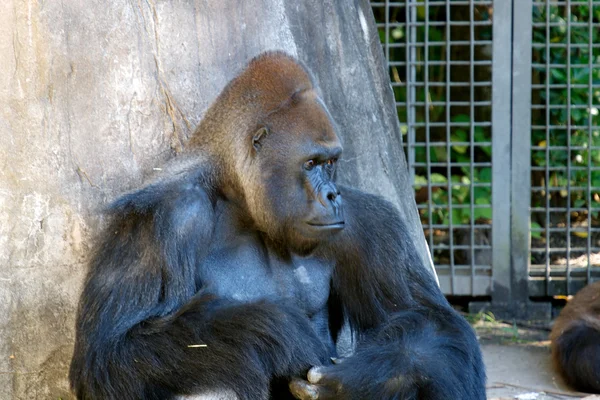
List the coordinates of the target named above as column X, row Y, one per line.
column 463, row 141
column 481, row 316
column 461, row 190
column 571, row 120
column 573, row 116
column 535, row 233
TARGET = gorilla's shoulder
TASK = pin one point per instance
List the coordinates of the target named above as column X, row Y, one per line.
column 183, row 180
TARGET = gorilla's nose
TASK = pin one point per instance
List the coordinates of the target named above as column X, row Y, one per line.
column 334, row 202
column 332, row 194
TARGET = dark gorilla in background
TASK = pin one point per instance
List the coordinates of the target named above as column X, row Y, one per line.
column 576, row 340
column 237, row 268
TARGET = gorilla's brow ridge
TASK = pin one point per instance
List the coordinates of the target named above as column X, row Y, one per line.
column 287, row 103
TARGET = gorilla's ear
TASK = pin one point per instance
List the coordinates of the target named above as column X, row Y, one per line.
column 258, row 136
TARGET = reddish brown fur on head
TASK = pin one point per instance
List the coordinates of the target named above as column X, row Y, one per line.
column 270, row 82
column 584, row 307
column 259, row 133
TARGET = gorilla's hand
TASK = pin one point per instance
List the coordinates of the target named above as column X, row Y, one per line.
column 351, row 378
column 321, row 383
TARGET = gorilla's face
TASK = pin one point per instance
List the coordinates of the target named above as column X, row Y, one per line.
column 296, row 200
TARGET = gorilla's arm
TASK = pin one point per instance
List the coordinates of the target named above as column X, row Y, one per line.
column 144, row 332
column 412, row 344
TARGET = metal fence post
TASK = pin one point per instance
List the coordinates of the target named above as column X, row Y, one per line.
column 511, row 153
column 520, row 200
column 501, row 151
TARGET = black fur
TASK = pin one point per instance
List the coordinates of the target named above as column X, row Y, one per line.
column 141, row 309
column 188, row 292
column 578, row 353
column 405, row 325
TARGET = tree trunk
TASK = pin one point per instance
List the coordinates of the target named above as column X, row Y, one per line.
column 95, row 94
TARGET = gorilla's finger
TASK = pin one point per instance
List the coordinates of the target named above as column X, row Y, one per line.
column 303, row 390
column 315, row 374
column 324, row 376
column 339, row 360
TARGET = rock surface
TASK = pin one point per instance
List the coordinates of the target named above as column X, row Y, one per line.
column 95, row 94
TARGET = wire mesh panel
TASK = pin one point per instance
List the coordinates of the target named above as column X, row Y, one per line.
column 440, row 59
column 565, row 160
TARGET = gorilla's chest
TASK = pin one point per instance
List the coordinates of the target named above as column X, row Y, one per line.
column 243, row 268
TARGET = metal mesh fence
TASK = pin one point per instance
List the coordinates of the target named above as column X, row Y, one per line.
column 565, row 159
column 440, row 59
column 441, row 63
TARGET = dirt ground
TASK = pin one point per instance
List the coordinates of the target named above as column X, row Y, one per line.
column 518, row 364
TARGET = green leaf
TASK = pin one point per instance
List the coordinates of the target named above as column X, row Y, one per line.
column 578, row 203
column 461, row 118
column 536, row 234
column 581, row 75
column 458, row 217
column 483, row 213
column 459, row 136
column 485, row 175
column 419, row 182
column 480, row 135
column 558, row 74
column 438, row 178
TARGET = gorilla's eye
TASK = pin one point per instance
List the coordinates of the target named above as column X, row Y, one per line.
column 310, row 164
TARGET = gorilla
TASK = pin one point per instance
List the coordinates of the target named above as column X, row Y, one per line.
column 238, row 266
column 575, row 340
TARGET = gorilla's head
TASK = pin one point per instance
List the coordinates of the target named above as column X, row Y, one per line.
column 277, row 152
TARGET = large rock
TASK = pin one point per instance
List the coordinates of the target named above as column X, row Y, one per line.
column 95, row 94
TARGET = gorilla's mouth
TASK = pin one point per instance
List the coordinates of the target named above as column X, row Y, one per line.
column 328, row 226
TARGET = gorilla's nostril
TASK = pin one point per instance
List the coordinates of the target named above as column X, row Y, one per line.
column 331, row 196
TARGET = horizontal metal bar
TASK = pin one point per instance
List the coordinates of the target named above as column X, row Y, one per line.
column 565, row 169
column 460, row 247
column 444, row 44
column 457, row 124
column 444, row 164
column 444, row 23
column 563, row 209
column 559, row 188
column 561, row 106
column 565, row 45
column 573, row 24
column 586, row 230
column 564, row 148
column 454, row 206
column 445, row 185
column 459, row 226
column 452, row 84
column 562, row 249
column 444, row 144
column 550, row 65
column 561, row 3
column 558, row 271
column 434, row 2
column 453, row 103
column 572, row 127
column 540, row 287
column 462, row 268
column 563, row 86
column 484, row 63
